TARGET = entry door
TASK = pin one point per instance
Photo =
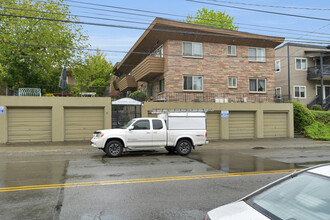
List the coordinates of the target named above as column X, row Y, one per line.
column 141, row 135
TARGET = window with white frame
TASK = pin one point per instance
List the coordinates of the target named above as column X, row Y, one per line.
column 278, row 65
column 231, row 50
column 299, row 91
column 257, row 54
column 278, row 92
column 232, row 82
column 158, row 52
column 193, row 83
column 192, row 49
column 161, row 85
column 301, row 64
column 257, row 85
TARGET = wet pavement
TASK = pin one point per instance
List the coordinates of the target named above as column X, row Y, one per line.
column 179, row 199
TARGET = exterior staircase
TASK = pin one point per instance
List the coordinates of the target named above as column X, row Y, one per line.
column 317, row 101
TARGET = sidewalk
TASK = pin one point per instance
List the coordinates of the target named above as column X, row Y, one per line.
column 82, row 147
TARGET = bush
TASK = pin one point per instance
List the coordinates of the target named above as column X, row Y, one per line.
column 317, row 108
column 323, row 116
column 49, row 95
column 303, row 117
column 318, row 131
column 137, row 95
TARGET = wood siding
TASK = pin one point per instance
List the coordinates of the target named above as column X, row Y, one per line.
column 126, row 83
column 275, row 124
column 149, row 68
column 29, row 124
column 80, row 123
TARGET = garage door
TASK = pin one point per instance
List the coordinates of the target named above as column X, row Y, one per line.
column 80, row 123
column 213, row 126
column 29, row 124
column 275, row 124
column 241, row 125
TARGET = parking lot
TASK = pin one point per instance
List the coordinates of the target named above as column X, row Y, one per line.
column 75, row 181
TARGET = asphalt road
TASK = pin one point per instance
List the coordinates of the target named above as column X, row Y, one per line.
column 144, row 185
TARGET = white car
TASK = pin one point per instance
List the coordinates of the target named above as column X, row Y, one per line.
column 303, row 195
column 179, row 132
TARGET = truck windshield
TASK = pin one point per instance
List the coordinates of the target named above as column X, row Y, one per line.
column 128, row 124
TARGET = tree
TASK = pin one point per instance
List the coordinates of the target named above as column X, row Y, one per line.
column 95, row 70
column 211, row 18
column 33, row 51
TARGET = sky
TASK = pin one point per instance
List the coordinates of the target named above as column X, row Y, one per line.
column 122, row 39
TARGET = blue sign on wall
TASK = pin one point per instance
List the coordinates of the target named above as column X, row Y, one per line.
column 2, row 110
column 224, row 114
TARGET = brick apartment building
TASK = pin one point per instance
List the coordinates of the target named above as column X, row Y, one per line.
column 177, row 61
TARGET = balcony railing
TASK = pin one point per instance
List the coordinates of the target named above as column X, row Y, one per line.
column 213, row 97
column 315, row 72
column 149, row 68
column 126, row 83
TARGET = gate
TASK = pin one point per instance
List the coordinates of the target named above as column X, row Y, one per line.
column 124, row 110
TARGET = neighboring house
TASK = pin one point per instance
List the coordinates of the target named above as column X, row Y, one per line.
column 178, row 61
column 307, row 77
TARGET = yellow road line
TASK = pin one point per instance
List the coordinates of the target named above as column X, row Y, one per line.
column 145, row 180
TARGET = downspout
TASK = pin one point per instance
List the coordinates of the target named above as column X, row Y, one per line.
column 289, row 84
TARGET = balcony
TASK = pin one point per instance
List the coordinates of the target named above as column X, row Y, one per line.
column 314, row 73
column 128, row 82
column 149, row 68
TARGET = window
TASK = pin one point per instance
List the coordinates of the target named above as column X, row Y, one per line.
column 257, row 85
column 231, row 50
column 232, row 82
column 300, row 91
column 158, row 52
column 161, row 85
column 192, row 49
column 257, row 54
column 278, row 65
column 142, row 125
column 193, row 83
column 157, row 124
column 301, row 64
column 278, row 92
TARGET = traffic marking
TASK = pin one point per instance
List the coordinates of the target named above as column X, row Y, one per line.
column 146, row 180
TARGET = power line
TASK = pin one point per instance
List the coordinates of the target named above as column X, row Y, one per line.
column 273, row 6
column 118, row 20
column 262, row 11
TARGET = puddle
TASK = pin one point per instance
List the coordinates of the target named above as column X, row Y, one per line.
column 232, row 162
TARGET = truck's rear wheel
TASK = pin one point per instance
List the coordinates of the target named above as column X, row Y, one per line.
column 113, row 148
column 170, row 149
column 183, row 147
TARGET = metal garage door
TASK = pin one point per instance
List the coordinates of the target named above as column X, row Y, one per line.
column 241, row 125
column 275, row 124
column 213, row 126
column 80, row 123
column 29, row 124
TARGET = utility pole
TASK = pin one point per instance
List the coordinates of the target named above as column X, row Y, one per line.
column 321, row 63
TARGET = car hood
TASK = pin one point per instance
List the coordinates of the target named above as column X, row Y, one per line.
column 113, row 131
column 236, row 211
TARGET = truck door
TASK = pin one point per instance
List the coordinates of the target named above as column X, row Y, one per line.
column 158, row 133
column 141, row 135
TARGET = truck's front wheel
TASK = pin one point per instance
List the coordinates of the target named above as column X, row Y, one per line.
column 183, row 147
column 113, row 148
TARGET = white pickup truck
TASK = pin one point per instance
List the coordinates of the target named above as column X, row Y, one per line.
column 178, row 132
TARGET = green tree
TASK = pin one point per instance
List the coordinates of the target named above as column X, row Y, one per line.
column 211, row 18
column 33, row 51
column 95, row 70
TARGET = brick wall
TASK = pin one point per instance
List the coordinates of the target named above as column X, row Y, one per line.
column 215, row 67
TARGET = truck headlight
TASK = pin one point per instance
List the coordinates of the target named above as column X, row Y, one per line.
column 98, row 134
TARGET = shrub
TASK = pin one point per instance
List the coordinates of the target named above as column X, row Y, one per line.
column 317, row 108
column 323, row 116
column 303, row 117
column 49, row 95
column 318, row 131
column 137, row 95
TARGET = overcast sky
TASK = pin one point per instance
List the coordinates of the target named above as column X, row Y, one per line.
column 121, row 39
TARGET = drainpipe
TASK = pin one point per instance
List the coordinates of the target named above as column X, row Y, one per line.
column 289, row 84
column 321, row 63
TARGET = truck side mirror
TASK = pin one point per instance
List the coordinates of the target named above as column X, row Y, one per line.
column 131, row 127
